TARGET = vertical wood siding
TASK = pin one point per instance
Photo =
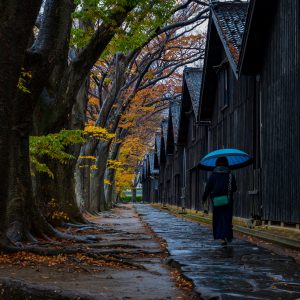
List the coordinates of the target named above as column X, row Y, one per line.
column 232, row 127
column 280, row 97
column 262, row 118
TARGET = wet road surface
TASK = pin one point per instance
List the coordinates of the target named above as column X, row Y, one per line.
column 240, row 271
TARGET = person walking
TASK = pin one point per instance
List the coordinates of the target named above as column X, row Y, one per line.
column 220, row 187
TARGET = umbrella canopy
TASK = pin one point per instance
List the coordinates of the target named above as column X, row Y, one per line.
column 236, row 159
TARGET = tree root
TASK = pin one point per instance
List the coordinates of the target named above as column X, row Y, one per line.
column 72, row 225
column 124, row 246
column 83, row 239
column 110, row 256
column 113, row 259
column 82, row 227
column 91, row 226
column 81, row 266
column 50, row 241
column 42, row 227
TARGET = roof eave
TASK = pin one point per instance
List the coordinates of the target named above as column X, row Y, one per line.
column 226, row 49
column 182, row 111
column 245, row 37
column 205, row 67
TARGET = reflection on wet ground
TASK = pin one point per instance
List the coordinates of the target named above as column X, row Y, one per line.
column 240, row 271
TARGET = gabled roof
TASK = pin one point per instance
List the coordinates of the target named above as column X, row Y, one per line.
column 175, row 107
column 164, row 129
column 143, row 170
column 230, row 20
column 161, row 141
column 158, row 144
column 192, row 78
column 259, row 22
column 152, row 163
column 190, row 101
column 225, row 33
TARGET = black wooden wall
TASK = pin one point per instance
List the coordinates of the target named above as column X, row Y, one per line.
column 280, row 104
column 232, row 127
column 260, row 114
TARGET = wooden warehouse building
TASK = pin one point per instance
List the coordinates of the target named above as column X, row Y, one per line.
column 149, row 177
column 248, row 98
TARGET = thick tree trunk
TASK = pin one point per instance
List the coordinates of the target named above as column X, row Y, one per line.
column 39, row 61
column 83, row 175
column 20, row 187
column 83, row 193
column 23, row 217
column 73, row 76
column 82, row 186
column 111, row 173
column 109, row 188
column 16, row 22
column 60, row 189
column 52, row 47
column 98, row 201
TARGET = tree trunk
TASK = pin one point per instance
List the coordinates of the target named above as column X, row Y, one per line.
column 84, row 193
column 133, row 197
column 109, row 188
column 16, row 22
column 111, row 173
column 98, row 201
column 20, row 187
column 82, row 186
column 79, row 68
column 135, row 183
column 60, row 189
column 23, row 216
column 83, row 175
column 39, row 61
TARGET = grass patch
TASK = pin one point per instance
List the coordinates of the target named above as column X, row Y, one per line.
column 127, row 199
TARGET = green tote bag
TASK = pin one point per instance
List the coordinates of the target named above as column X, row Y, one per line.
column 223, row 200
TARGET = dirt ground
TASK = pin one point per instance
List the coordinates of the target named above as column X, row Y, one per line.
column 131, row 266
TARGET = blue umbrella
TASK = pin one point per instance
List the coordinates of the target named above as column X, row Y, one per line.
column 236, row 159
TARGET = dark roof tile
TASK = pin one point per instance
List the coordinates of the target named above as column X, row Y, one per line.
column 193, row 78
column 158, row 145
column 164, row 127
column 175, row 107
column 231, row 20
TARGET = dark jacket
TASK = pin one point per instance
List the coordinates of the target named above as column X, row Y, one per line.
column 217, row 184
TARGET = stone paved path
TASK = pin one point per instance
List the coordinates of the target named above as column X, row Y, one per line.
column 242, row 271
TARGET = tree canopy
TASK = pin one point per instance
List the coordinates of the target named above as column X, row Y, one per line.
column 81, row 96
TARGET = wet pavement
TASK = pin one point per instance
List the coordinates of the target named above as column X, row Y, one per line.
column 240, row 271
